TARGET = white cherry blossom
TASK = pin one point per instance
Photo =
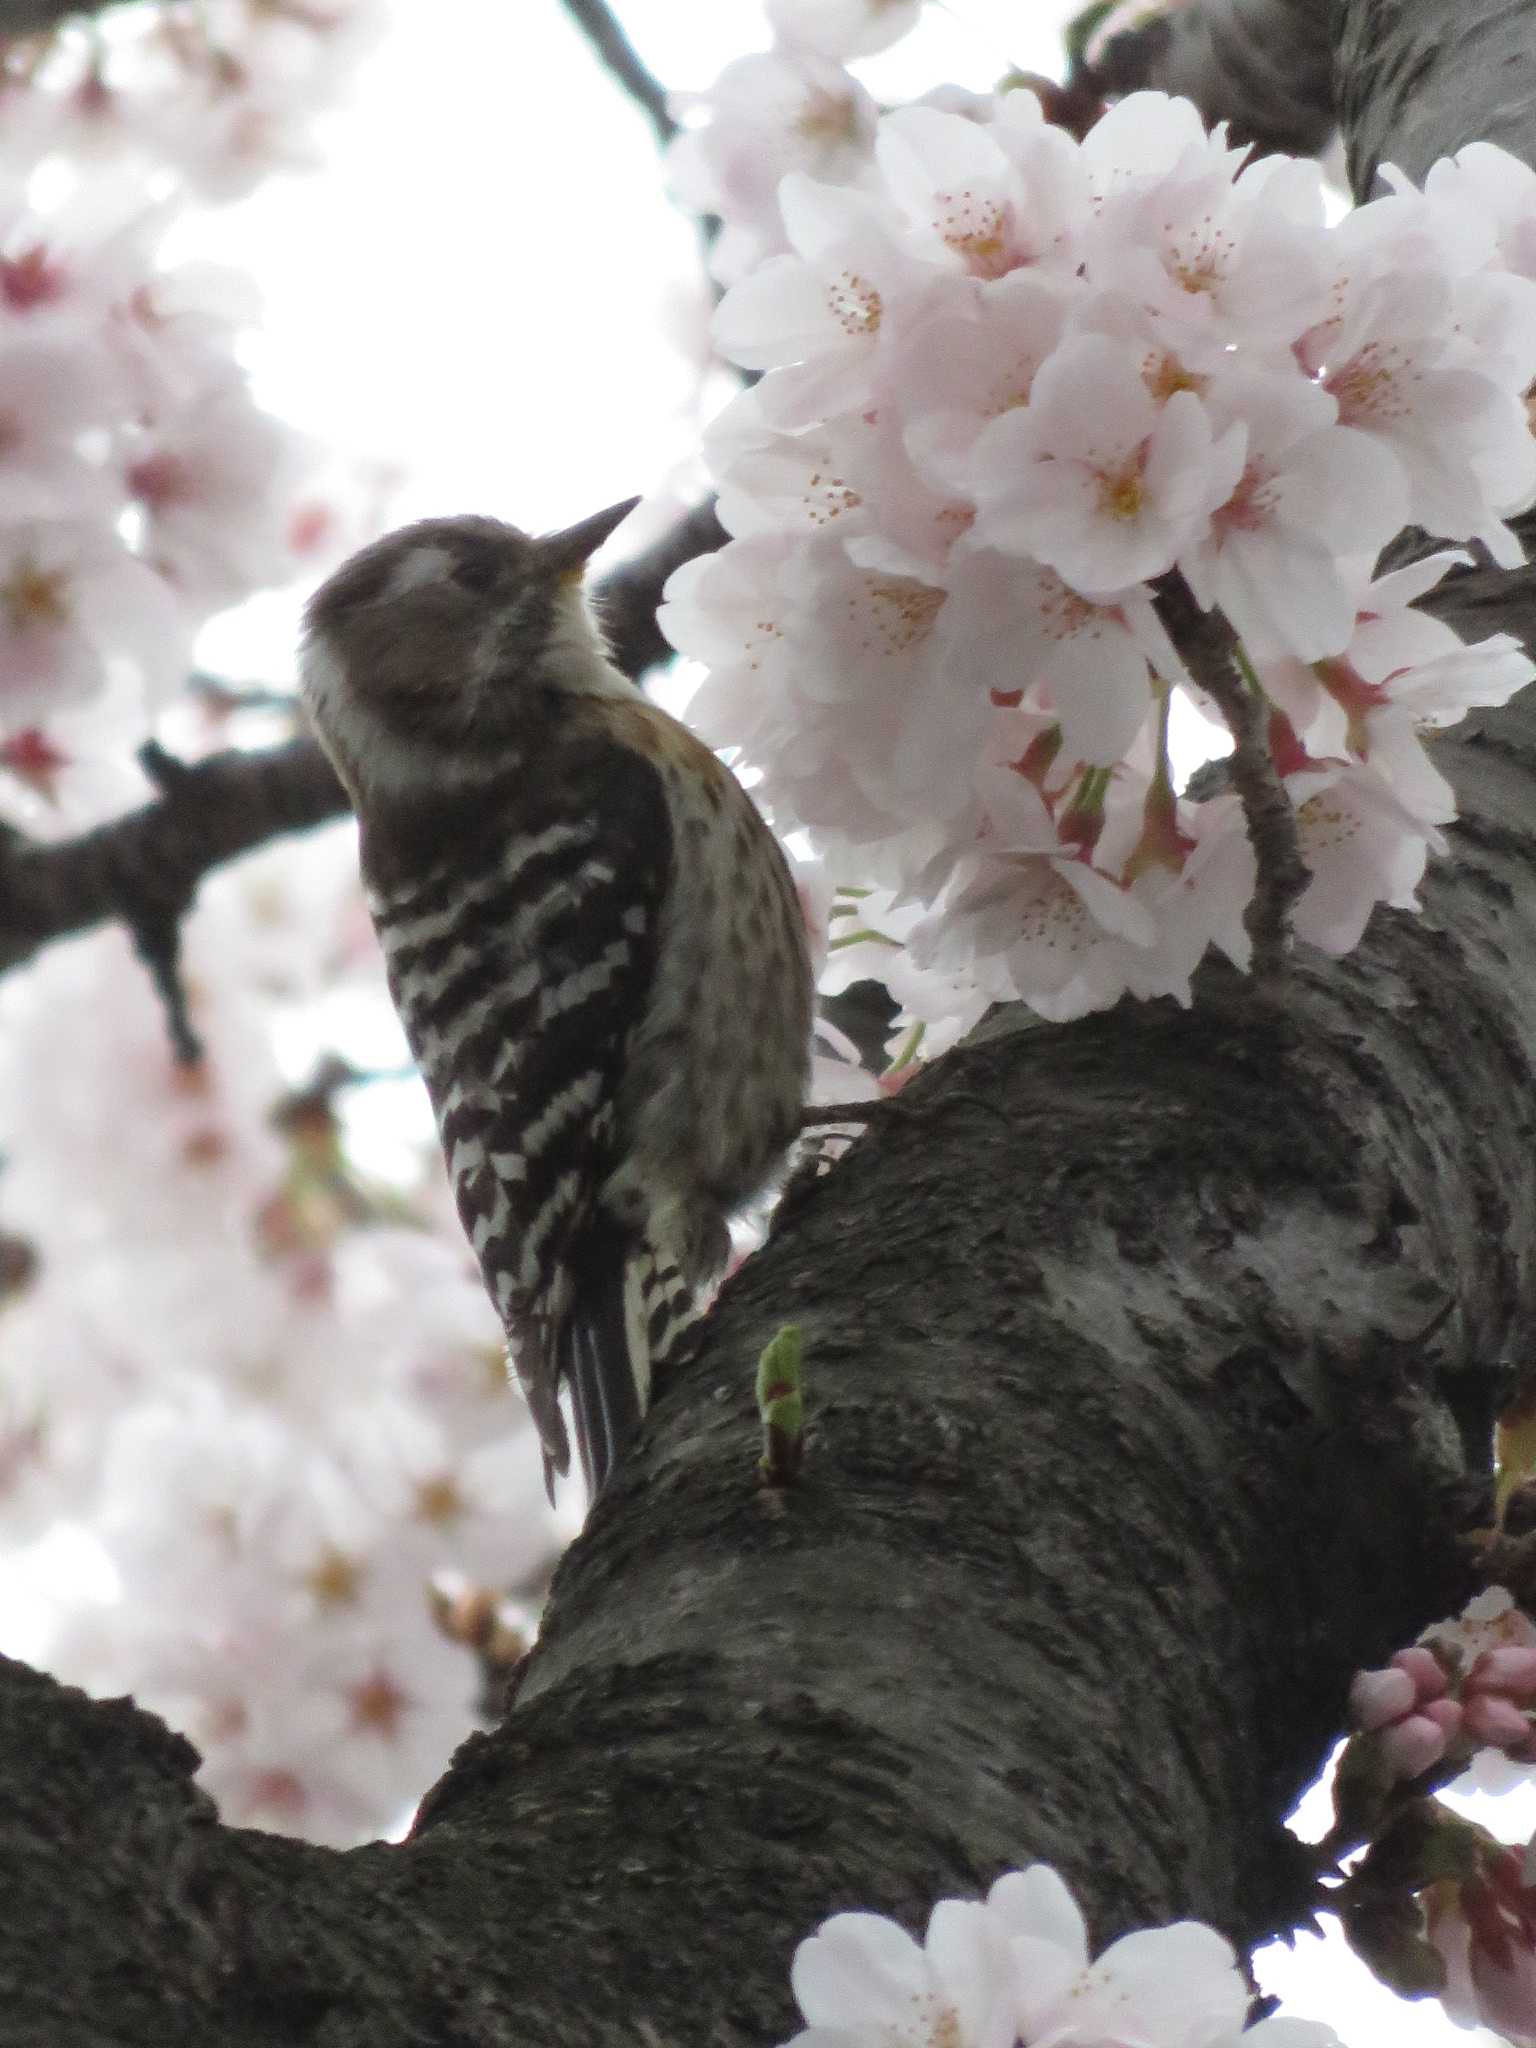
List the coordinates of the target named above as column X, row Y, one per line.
column 1012, row 382
column 863, row 1980
column 843, row 28
column 1463, row 440
column 1096, row 480
column 1312, row 497
column 974, row 205
column 767, row 114
column 73, row 601
column 1017, row 1968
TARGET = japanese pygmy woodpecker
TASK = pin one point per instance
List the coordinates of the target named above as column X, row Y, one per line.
column 592, row 939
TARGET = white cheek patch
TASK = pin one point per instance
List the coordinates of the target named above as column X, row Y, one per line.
column 321, row 681
column 576, row 654
column 424, row 564
column 362, row 751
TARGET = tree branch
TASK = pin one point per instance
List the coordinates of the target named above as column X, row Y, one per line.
column 598, row 23
column 1418, row 82
column 1209, row 647
column 1122, row 1452
column 137, row 867
column 1264, row 65
column 628, row 596
column 146, row 866
column 39, row 17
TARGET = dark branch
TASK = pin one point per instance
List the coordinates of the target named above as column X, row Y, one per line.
column 145, row 867
column 597, row 22
column 627, row 598
column 1264, row 65
column 40, row 17
column 1209, row 647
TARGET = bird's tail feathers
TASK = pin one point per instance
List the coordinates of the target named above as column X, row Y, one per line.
column 633, row 1317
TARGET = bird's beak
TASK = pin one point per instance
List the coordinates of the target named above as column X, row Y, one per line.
column 568, row 551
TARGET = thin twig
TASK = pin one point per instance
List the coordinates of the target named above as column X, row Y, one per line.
column 1209, row 647
column 598, row 23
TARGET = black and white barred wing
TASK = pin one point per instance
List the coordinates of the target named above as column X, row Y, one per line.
column 520, row 963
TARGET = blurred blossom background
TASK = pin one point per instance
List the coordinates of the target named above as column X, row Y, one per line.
column 259, row 1461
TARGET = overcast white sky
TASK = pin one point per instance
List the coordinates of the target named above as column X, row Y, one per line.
column 488, row 289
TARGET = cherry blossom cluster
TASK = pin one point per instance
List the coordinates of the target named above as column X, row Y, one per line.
column 1462, row 1697
column 1019, row 396
column 255, row 1402
column 792, row 108
column 1437, row 1905
column 216, row 96
column 1466, row 1685
column 1016, row 1968
column 142, row 488
column 1481, row 1923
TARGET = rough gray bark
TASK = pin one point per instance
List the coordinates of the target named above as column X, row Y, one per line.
column 1124, row 1451
column 1151, row 1364
column 1264, row 65
column 1418, row 78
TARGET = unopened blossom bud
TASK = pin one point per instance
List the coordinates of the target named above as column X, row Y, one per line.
column 1511, row 1671
column 1379, row 1697
column 1497, row 1723
column 1405, row 1708
column 1424, row 1668
column 1417, row 1742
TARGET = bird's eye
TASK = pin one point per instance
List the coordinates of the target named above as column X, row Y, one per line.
column 475, row 572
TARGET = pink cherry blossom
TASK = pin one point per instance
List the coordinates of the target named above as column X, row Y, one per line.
column 826, row 312
column 1241, row 262
column 1086, row 356
column 843, row 28
column 1406, row 1713
column 1147, row 138
column 1363, row 847
column 72, row 600
column 788, row 109
column 1496, row 189
column 863, row 1979
column 1014, row 627
column 974, row 205
column 54, row 390
column 1310, row 493
column 1017, row 1968
column 1463, row 440
column 214, row 483
column 970, row 359
column 1485, row 1931
column 1093, row 478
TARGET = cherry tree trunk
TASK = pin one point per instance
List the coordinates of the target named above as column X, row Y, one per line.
column 1151, row 1366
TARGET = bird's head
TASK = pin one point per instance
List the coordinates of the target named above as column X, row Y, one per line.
column 421, row 652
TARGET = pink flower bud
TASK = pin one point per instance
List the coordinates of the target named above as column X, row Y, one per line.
column 1377, row 1697
column 1511, row 1671
column 1425, row 1669
column 1496, row 1721
column 1445, row 1714
column 1411, row 1745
